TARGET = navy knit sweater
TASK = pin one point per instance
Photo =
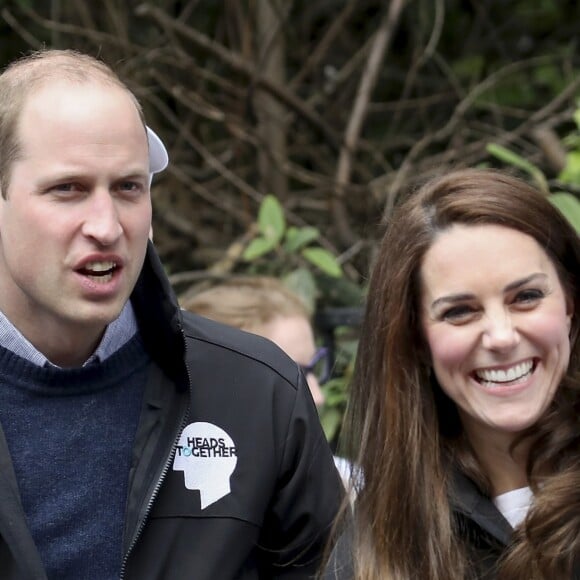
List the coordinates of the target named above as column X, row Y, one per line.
column 70, row 433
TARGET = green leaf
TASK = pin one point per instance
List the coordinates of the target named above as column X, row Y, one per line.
column 468, row 67
column 302, row 283
column 335, row 392
column 571, row 141
column 323, row 260
column 569, row 206
column 577, row 117
column 550, row 76
column 515, row 90
column 258, row 247
column 297, row 238
column 271, row 221
column 507, row 156
column 331, row 420
column 571, row 172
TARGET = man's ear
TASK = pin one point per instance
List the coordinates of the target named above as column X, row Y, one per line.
column 2, row 201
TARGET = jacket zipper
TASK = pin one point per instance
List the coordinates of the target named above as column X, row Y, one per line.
column 160, row 480
column 153, row 496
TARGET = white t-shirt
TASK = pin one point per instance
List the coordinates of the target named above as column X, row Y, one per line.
column 514, row 504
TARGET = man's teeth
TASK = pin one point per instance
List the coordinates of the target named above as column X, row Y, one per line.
column 100, row 271
column 99, row 266
column 514, row 373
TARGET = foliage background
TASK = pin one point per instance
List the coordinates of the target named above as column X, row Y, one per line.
column 333, row 107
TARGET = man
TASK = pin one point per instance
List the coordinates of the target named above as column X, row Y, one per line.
column 137, row 441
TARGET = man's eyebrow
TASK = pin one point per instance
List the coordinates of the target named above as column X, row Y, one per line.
column 452, row 298
column 136, row 174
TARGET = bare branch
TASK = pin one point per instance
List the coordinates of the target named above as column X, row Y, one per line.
column 243, row 66
column 20, row 30
column 380, row 45
column 462, row 108
column 324, row 45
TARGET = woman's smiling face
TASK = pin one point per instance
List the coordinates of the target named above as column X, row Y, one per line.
column 496, row 320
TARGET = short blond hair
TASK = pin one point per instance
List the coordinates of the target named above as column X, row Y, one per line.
column 247, row 302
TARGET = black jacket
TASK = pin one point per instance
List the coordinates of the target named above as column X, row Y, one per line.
column 250, row 489
column 480, row 523
column 486, row 531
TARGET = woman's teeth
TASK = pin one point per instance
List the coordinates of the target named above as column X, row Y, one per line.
column 518, row 372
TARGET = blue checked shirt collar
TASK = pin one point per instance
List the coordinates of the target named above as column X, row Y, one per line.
column 118, row 332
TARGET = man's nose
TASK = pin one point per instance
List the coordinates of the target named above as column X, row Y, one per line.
column 500, row 333
column 102, row 223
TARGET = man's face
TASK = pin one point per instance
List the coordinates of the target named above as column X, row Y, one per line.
column 75, row 219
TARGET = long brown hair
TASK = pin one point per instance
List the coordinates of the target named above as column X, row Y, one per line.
column 403, row 525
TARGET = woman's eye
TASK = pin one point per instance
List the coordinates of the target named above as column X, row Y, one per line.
column 529, row 296
column 458, row 314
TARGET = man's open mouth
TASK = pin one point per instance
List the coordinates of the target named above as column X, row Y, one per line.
column 99, row 271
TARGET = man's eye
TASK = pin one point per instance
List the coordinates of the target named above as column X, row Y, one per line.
column 66, row 187
column 130, row 186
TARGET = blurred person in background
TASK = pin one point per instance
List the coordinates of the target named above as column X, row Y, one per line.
column 264, row 305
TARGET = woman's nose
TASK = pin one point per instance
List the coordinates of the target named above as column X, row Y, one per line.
column 500, row 333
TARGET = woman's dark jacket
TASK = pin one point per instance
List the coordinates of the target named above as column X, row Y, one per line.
column 487, row 533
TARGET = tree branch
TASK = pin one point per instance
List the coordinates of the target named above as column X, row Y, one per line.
column 377, row 54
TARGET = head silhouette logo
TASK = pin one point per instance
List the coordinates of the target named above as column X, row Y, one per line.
column 207, row 456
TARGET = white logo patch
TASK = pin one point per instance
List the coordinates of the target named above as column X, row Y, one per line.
column 207, row 456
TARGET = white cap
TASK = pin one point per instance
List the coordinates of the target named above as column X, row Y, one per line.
column 158, row 157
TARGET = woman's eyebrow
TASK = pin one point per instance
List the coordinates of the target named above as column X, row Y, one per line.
column 452, row 298
column 524, row 281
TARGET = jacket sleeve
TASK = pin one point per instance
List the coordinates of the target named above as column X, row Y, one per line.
column 308, row 494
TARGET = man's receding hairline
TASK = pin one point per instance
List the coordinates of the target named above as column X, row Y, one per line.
column 44, row 68
column 26, row 76
column 53, row 80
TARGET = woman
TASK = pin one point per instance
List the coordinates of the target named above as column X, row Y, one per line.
column 465, row 404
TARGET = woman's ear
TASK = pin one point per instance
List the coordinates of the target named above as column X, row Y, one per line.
column 569, row 311
column 423, row 351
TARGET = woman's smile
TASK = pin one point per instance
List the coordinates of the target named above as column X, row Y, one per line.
column 497, row 333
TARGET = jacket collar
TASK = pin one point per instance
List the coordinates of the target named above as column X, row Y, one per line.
column 467, row 499
column 159, row 319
